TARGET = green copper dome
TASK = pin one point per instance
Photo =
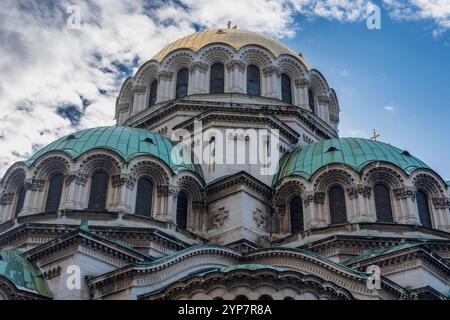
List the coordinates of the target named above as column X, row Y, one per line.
column 126, row 141
column 25, row 276
column 353, row 152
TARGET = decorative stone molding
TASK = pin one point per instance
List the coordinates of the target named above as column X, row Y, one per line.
column 77, row 178
column 323, row 99
column 405, row 193
column 34, row 184
column 119, row 180
column 260, row 218
column 139, row 89
column 123, row 107
column 359, row 189
column 316, row 197
column 270, row 71
column 165, row 75
column 220, row 217
column 52, row 273
column 6, row 199
column 334, row 118
column 199, row 66
column 236, row 64
column 165, row 191
column 441, row 202
column 301, row 83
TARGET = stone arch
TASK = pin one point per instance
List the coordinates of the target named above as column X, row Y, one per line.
column 178, row 60
column 292, row 67
column 257, row 56
column 147, row 73
column 216, row 53
column 318, row 82
column 197, row 209
column 284, row 194
column 11, row 185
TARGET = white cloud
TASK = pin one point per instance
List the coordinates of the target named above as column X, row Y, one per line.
column 389, row 108
column 47, row 70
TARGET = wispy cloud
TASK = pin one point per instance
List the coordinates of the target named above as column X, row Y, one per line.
column 389, row 108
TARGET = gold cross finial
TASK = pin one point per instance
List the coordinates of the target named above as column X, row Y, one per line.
column 375, row 135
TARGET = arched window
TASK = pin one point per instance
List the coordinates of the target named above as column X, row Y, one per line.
column 296, row 213
column 55, row 188
column 286, row 88
column 153, row 93
column 182, row 209
column 253, row 81
column 217, row 78
column 383, row 206
column 241, row 297
column 20, row 200
column 424, row 209
column 312, row 100
column 144, row 198
column 182, row 83
column 338, row 211
column 99, row 191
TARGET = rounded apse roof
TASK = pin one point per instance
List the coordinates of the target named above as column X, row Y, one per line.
column 353, row 152
column 236, row 38
column 125, row 141
column 25, row 276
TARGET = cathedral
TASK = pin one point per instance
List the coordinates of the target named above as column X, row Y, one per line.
column 224, row 178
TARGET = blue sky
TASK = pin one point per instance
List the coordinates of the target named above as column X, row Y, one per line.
column 55, row 80
column 394, row 80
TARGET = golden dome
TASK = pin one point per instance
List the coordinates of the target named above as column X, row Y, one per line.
column 236, row 38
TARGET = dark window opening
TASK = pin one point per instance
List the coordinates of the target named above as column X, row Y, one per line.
column 153, row 93
column 253, row 81
column 265, row 297
column 383, row 205
column 20, row 200
column 55, row 188
column 338, row 211
column 241, row 297
column 182, row 209
column 217, row 81
column 99, row 191
column 286, row 89
column 312, row 100
column 182, row 83
column 296, row 213
column 144, row 198
column 424, row 209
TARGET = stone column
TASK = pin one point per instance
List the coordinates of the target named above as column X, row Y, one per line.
column 272, row 88
column 166, row 89
column 167, row 204
column 313, row 210
column 140, row 99
column 120, row 195
column 301, row 93
column 323, row 106
column 34, row 197
column 123, row 111
column 6, row 206
column 74, row 197
column 198, row 82
column 409, row 214
column 236, row 82
column 360, row 195
column 441, row 213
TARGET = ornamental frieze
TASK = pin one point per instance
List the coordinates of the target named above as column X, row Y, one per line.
column 270, row 71
column 165, row 191
column 316, row 197
column 323, row 99
column 360, row 189
column 139, row 89
column 199, row 66
column 405, row 193
column 123, row 107
column 301, row 83
column 236, row 64
column 441, row 202
column 220, row 217
column 77, row 178
column 34, row 184
column 260, row 218
column 6, row 199
column 165, row 75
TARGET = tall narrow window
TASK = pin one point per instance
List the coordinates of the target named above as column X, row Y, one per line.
column 253, row 81
column 312, row 100
column 144, row 198
column 338, row 211
column 182, row 83
column 296, row 213
column 20, row 200
column 383, row 206
column 55, row 188
column 153, row 93
column 217, row 81
column 99, row 191
column 424, row 209
column 182, row 209
column 286, row 88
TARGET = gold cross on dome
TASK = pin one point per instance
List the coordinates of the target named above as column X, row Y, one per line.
column 375, row 135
